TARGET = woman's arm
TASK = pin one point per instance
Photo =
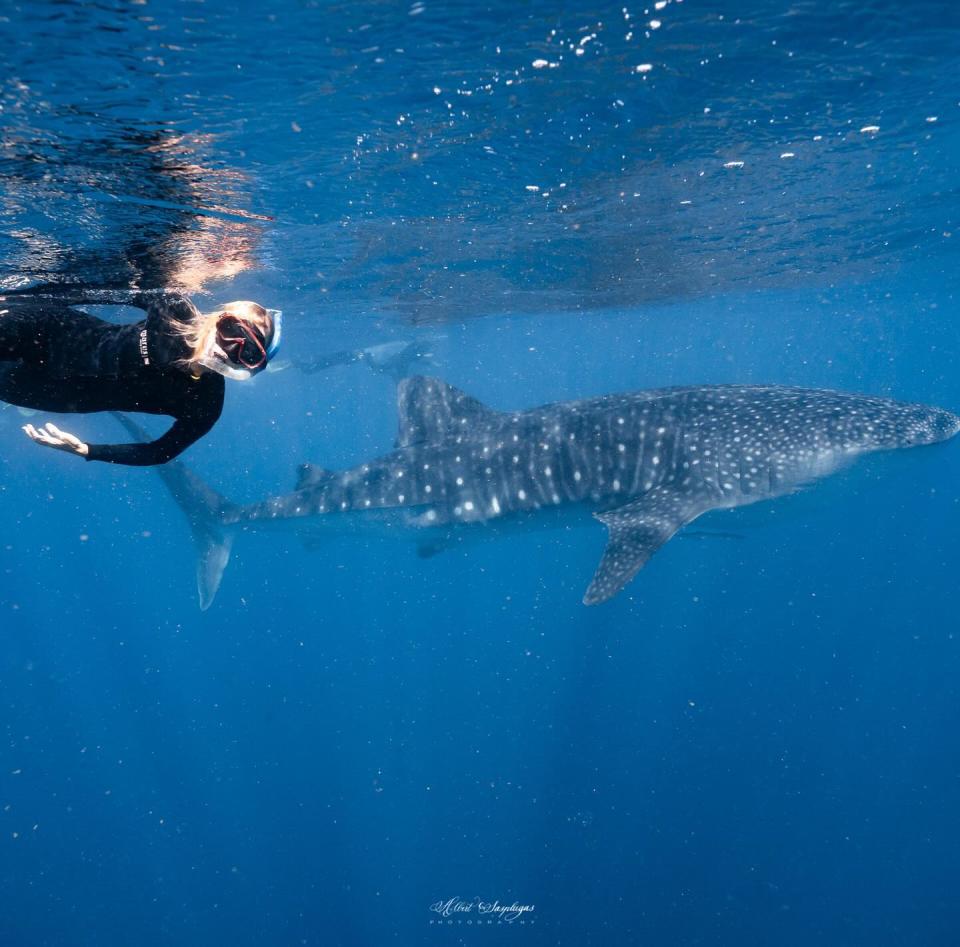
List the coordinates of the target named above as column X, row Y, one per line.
column 188, row 428
column 183, row 433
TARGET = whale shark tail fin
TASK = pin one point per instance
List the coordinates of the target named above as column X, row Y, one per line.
column 213, row 554
column 207, row 513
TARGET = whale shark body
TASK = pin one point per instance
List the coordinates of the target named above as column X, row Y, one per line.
column 644, row 464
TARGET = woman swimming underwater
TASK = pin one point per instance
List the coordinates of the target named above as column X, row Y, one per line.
column 56, row 358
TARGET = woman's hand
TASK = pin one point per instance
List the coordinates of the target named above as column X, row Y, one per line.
column 51, row 436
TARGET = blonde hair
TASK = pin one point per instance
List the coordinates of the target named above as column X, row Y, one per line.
column 197, row 333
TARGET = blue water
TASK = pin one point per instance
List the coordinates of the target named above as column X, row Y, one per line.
column 754, row 744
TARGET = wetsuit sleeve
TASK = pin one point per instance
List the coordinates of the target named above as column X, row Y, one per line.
column 185, row 431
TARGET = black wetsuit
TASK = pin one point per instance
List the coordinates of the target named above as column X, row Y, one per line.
column 56, row 358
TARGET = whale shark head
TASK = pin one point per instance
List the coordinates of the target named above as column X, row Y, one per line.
column 921, row 424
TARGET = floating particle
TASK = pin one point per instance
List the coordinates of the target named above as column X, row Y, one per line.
column 643, row 67
column 788, row 154
column 655, row 24
column 660, row 4
column 533, row 187
column 733, row 164
column 295, row 127
column 931, row 119
column 869, row 129
column 544, row 64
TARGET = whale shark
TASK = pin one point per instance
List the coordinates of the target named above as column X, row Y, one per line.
column 644, row 464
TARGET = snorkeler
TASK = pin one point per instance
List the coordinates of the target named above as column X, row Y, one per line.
column 398, row 359
column 56, row 358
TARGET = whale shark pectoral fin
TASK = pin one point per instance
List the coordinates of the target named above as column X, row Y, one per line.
column 629, row 546
column 636, row 531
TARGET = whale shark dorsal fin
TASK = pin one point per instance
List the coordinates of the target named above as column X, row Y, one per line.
column 636, row 531
column 310, row 475
column 430, row 409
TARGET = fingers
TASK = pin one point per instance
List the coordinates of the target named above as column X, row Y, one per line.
column 51, row 436
column 68, row 440
column 62, row 437
column 39, row 436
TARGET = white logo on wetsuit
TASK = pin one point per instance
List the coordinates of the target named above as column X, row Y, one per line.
column 144, row 354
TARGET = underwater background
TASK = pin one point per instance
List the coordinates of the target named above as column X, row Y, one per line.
column 754, row 744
